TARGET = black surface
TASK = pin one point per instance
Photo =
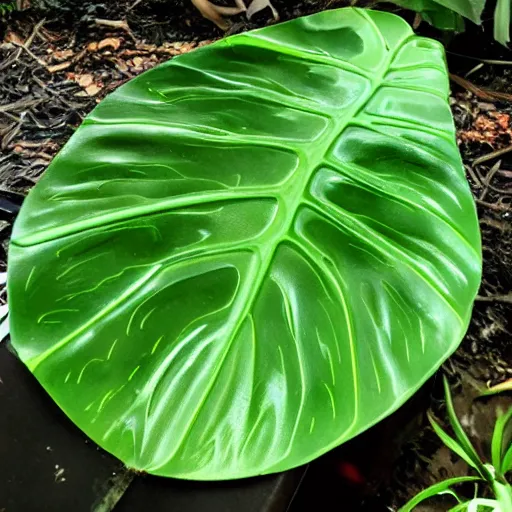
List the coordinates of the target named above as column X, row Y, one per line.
column 10, row 204
column 271, row 493
column 35, row 437
column 37, row 441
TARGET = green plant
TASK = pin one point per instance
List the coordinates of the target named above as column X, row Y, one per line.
column 493, row 474
column 6, row 8
column 449, row 14
column 252, row 253
column 445, row 14
column 502, row 22
column 498, row 388
column 434, row 13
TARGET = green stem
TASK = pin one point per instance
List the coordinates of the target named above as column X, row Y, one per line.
column 503, row 493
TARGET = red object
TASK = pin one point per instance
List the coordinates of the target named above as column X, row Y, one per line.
column 350, row 472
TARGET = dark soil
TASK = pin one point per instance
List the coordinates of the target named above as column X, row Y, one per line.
column 57, row 64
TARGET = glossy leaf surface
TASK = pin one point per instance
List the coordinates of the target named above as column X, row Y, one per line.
column 251, row 253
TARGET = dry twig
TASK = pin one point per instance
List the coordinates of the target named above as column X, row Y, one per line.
column 487, row 182
column 119, row 24
column 492, row 155
column 497, row 207
column 480, row 92
column 507, row 299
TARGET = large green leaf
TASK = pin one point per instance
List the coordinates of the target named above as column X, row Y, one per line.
column 434, row 13
column 446, row 14
column 471, row 9
column 251, row 253
column 502, row 22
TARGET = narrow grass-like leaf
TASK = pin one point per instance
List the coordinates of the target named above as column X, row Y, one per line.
column 451, row 492
column 506, row 463
column 460, row 434
column 453, row 444
column 503, row 493
column 435, row 489
column 497, row 441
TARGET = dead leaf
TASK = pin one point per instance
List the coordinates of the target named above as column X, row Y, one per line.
column 205, row 42
column 493, row 127
column 167, row 51
column 417, row 21
column 110, row 42
column 79, row 56
column 146, row 47
column 483, row 123
column 58, row 67
column 84, row 80
column 121, row 65
column 137, row 61
column 12, row 37
column 92, row 47
column 131, row 52
column 259, row 5
column 502, row 119
column 187, row 47
column 93, row 89
column 61, row 55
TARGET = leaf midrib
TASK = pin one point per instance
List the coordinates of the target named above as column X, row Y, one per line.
column 290, row 202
